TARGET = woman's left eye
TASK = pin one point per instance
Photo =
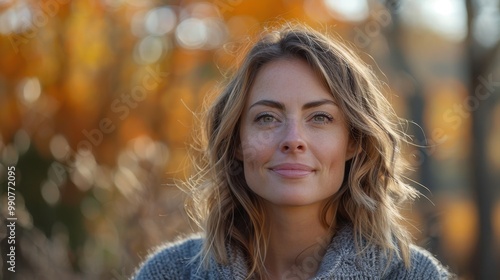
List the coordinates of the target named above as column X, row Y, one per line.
column 322, row 118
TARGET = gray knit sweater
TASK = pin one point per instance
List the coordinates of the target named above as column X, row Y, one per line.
column 176, row 261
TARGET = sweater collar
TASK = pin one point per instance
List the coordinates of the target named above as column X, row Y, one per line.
column 340, row 251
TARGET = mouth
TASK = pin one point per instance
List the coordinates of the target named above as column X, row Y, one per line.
column 292, row 170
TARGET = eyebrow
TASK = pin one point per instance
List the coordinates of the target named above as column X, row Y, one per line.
column 281, row 106
column 318, row 103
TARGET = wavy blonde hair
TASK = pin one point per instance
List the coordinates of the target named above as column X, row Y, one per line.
column 372, row 190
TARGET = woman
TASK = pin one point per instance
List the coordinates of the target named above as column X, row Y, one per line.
column 302, row 174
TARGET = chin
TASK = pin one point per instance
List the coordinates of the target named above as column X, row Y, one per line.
column 292, row 200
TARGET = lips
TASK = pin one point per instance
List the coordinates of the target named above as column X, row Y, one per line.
column 292, row 170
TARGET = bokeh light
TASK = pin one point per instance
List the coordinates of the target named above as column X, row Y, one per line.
column 352, row 10
column 30, row 90
column 16, row 19
column 50, row 192
column 160, row 21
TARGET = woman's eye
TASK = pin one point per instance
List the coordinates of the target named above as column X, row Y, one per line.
column 265, row 119
column 322, row 118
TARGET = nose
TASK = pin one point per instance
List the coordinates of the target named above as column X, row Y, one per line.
column 293, row 140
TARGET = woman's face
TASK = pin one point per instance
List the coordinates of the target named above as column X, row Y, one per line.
column 294, row 139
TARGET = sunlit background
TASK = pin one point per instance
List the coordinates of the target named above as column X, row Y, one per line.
column 96, row 115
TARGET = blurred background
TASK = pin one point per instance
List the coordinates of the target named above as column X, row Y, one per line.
column 96, row 101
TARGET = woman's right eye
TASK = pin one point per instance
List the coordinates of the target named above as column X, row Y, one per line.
column 265, row 118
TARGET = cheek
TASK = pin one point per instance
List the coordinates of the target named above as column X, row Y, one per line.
column 256, row 146
column 249, row 150
column 334, row 154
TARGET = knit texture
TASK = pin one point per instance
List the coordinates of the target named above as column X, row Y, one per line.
column 179, row 261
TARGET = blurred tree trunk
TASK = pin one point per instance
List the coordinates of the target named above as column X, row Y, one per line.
column 416, row 105
column 481, row 68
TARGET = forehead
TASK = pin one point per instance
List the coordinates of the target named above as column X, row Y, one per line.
column 288, row 80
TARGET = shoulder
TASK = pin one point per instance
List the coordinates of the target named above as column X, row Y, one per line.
column 423, row 265
column 172, row 260
column 344, row 260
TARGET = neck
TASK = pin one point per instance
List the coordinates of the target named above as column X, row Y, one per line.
column 297, row 242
